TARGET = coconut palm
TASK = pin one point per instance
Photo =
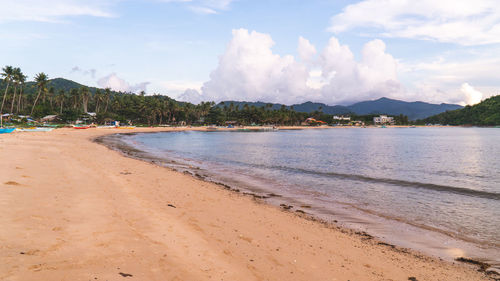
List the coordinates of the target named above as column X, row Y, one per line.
column 41, row 80
column 85, row 96
column 16, row 76
column 60, row 99
column 21, row 79
column 8, row 72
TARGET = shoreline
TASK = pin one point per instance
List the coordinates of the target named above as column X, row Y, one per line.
column 78, row 223
column 357, row 220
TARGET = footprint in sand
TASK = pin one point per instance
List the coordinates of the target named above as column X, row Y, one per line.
column 11, row 183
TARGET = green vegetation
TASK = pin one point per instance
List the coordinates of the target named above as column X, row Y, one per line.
column 71, row 101
column 486, row 113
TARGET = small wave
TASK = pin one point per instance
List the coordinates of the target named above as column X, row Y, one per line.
column 412, row 184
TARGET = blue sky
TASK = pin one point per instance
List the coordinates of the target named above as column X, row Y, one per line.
column 329, row 51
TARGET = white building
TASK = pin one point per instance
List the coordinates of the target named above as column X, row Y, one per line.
column 383, row 120
column 348, row 118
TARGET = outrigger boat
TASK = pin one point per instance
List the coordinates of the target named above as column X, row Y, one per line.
column 81, row 127
column 35, row 129
column 6, row 130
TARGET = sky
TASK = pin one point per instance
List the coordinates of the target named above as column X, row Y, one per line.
column 285, row 51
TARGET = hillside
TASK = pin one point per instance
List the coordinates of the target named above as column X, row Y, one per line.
column 414, row 110
column 306, row 107
column 57, row 83
column 486, row 113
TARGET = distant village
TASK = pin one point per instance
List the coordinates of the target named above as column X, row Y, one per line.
column 346, row 121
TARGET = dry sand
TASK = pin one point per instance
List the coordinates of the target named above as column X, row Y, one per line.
column 71, row 209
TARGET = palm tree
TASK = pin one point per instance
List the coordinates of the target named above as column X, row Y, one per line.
column 41, row 80
column 16, row 77
column 8, row 72
column 85, row 95
column 107, row 94
column 21, row 79
column 60, row 99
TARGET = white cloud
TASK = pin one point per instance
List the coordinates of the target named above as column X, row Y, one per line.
column 118, row 84
column 192, row 96
column 51, row 10
column 462, row 22
column 472, row 96
column 204, row 6
column 375, row 75
column 249, row 70
column 306, row 50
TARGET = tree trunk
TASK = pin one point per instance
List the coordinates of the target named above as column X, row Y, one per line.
column 4, row 96
column 13, row 100
column 36, row 99
column 19, row 100
column 106, row 108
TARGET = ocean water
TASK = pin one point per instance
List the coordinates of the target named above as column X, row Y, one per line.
column 433, row 189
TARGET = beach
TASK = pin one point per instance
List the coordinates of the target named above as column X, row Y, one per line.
column 73, row 209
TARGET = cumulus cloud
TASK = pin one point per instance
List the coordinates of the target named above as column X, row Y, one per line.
column 249, row 70
column 375, row 75
column 118, row 84
column 472, row 96
column 462, row 22
column 306, row 50
column 51, row 10
column 192, row 96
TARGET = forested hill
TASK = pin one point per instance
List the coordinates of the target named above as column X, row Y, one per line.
column 414, row 110
column 486, row 113
column 57, row 84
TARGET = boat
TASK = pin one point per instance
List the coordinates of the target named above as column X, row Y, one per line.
column 126, row 127
column 81, row 127
column 211, row 128
column 35, row 129
column 6, row 130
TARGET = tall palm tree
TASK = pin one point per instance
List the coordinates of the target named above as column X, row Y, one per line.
column 41, row 80
column 107, row 94
column 8, row 72
column 16, row 78
column 60, row 99
column 21, row 79
column 85, row 95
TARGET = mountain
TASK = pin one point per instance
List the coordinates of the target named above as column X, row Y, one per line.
column 328, row 109
column 57, row 83
column 307, row 107
column 414, row 110
column 485, row 113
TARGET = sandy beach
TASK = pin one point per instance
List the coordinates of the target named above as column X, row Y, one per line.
column 72, row 209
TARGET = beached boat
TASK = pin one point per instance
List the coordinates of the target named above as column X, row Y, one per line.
column 81, row 127
column 6, row 130
column 211, row 128
column 126, row 127
column 35, row 129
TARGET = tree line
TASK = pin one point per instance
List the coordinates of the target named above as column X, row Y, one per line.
column 485, row 113
column 43, row 97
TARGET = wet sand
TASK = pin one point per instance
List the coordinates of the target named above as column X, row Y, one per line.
column 72, row 209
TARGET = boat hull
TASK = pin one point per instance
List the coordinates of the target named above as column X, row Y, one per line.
column 6, row 130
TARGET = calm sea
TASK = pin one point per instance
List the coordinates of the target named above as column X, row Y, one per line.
column 433, row 189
